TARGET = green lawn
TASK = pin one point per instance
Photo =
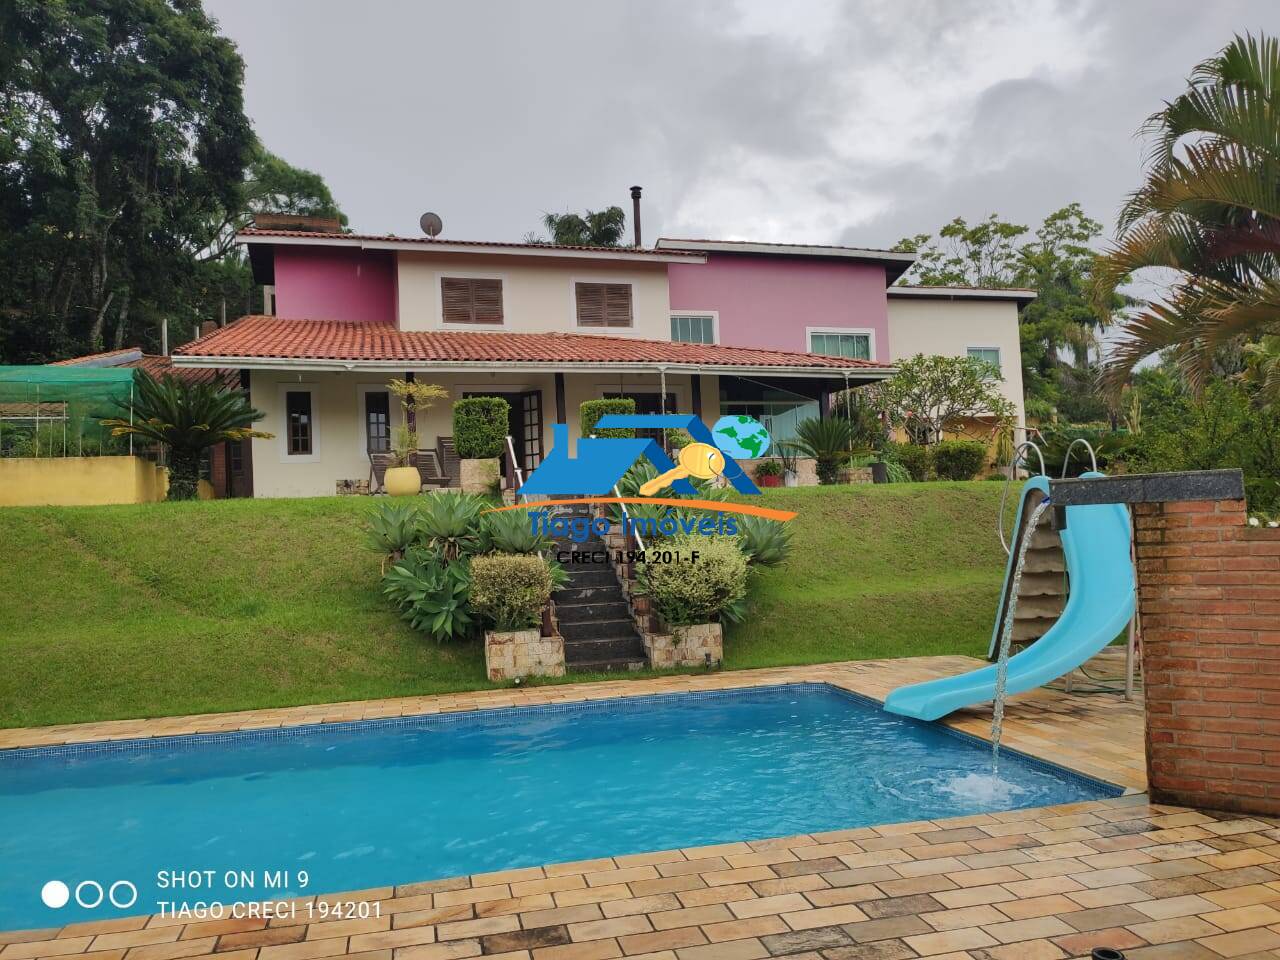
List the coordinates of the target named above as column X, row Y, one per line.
column 161, row 609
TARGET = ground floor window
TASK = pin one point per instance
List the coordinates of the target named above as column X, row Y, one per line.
column 780, row 410
column 377, row 421
column 299, row 437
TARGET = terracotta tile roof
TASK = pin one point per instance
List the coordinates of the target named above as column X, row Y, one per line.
column 276, row 338
column 156, row 365
column 442, row 242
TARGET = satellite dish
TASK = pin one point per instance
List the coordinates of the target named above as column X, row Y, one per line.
column 431, row 224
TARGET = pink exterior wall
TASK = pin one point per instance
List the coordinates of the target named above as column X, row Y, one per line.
column 335, row 283
column 768, row 302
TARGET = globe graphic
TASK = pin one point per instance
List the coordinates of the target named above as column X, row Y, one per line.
column 743, row 438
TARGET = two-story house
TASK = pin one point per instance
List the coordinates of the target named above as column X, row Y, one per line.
column 835, row 301
column 543, row 326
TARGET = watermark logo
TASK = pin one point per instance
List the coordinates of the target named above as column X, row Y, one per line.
column 600, row 462
column 592, row 472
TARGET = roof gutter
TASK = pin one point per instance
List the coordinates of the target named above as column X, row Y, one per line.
column 322, row 365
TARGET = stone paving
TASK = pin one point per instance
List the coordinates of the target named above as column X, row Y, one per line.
column 1156, row 882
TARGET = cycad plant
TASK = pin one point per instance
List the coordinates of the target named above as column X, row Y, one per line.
column 829, row 441
column 187, row 418
column 1210, row 210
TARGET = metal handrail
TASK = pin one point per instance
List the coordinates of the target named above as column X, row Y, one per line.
column 515, row 465
column 1018, row 452
column 626, row 518
column 1066, row 461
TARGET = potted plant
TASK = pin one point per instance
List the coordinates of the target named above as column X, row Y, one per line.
column 403, row 479
column 787, row 454
column 479, row 438
column 769, row 473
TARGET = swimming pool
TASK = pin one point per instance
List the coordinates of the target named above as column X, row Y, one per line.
column 382, row 802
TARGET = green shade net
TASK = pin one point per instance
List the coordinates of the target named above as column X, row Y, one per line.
column 50, row 411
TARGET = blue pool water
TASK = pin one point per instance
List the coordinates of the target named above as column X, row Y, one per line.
column 382, row 802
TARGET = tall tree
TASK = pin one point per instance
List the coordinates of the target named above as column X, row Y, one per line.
column 597, row 228
column 123, row 155
column 1209, row 209
column 982, row 255
column 1059, row 330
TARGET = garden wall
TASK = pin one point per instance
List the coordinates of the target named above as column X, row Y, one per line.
column 1209, row 595
column 79, row 481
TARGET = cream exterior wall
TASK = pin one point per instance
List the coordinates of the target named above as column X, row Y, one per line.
column 537, row 296
column 337, row 405
column 950, row 327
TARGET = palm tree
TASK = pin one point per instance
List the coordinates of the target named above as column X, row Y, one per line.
column 1210, row 210
column 829, row 441
column 187, row 418
column 599, row 228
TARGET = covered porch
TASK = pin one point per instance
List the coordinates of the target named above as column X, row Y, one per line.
column 333, row 415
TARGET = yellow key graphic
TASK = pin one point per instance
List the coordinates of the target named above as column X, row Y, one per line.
column 700, row 460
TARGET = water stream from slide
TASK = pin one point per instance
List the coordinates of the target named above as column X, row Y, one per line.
column 1006, row 636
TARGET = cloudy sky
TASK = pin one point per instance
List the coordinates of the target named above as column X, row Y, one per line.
column 799, row 121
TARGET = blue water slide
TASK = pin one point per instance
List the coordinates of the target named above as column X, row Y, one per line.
column 1095, row 543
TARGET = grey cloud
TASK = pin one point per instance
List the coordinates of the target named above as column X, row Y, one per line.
column 860, row 123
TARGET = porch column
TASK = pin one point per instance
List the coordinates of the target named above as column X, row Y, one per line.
column 561, row 413
column 696, row 393
column 411, row 415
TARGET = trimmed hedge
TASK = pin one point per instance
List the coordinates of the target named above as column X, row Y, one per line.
column 510, row 590
column 590, row 412
column 480, row 427
column 686, row 591
column 959, row 459
column 917, row 460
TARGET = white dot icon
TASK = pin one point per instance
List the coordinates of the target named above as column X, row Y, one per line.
column 55, row 894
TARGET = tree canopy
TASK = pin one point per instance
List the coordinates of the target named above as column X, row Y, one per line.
column 595, row 228
column 126, row 164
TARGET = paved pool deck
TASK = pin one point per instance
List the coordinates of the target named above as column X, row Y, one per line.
column 1045, row 883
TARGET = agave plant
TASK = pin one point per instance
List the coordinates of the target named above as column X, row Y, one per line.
column 449, row 523
column 187, row 418
column 511, row 532
column 766, row 543
column 430, row 594
column 392, row 529
column 1210, row 210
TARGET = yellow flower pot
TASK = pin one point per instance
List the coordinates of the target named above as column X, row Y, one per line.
column 402, row 481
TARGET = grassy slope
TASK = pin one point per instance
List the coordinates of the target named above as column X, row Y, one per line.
column 159, row 609
column 886, row 571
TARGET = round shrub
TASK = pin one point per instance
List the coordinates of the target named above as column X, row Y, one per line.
column 917, row 460
column 687, row 591
column 510, row 590
column 480, row 427
column 590, row 412
column 959, row 459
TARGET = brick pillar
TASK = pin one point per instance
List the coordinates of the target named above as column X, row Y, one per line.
column 1209, row 594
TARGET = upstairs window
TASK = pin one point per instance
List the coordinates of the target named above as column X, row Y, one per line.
column 300, row 440
column 693, row 328
column 471, row 300
column 855, row 346
column 603, row 304
column 989, row 355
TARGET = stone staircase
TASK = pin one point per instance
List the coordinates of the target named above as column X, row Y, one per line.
column 594, row 616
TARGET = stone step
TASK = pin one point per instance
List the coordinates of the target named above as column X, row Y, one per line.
column 620, row 665
column 1039, row 607
column 597, row 629
column 1032, row 629
column 1042, row 584
column 599, row 577
column 611, row 648
column 601, row 593
column 601, row 610
column 1045, row 561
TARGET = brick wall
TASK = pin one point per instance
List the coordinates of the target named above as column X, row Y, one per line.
column 1209, row 594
